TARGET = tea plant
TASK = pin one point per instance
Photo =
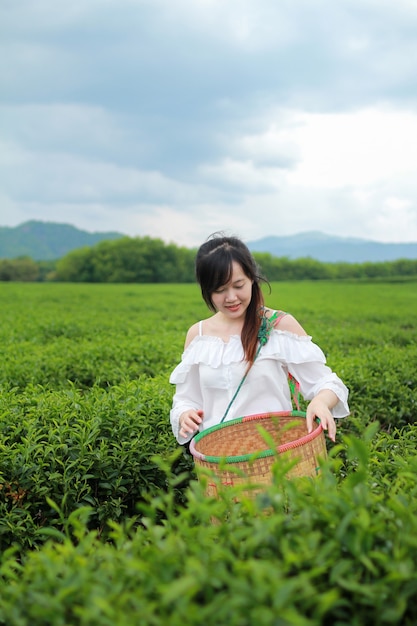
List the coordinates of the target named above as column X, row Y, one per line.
column 78, row 450
column 306, row 553
column 95, row 529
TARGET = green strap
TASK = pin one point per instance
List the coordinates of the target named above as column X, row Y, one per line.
column 239, row 387
column 265, row 329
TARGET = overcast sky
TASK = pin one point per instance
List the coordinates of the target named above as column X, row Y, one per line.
column 177, row 118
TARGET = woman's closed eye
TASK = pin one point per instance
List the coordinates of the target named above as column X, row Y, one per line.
column 223, row 289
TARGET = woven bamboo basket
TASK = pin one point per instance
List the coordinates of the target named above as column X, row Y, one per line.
column 237, row 453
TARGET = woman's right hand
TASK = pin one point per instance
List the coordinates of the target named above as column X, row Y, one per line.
column 190, row 421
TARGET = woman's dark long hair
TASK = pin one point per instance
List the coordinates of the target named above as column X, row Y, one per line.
column 214, row 268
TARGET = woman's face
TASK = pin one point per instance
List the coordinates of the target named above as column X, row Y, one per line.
column 233, row 298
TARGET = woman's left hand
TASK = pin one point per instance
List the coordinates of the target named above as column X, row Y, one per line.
column 320, row 407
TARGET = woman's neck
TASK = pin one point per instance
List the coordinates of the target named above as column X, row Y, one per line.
column 219, row 326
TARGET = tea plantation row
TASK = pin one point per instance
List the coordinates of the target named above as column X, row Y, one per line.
column 101, row 519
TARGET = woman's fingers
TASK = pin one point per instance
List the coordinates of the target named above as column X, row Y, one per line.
column 326, row 420
column 190, row 421
column 330, row 426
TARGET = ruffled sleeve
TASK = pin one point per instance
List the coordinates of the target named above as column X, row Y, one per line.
column 205, row 350
column 306, row 362
column 187, row 396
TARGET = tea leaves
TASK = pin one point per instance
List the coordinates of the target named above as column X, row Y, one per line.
column 101, row 518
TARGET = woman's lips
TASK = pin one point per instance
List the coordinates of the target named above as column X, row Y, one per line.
column 233, row 308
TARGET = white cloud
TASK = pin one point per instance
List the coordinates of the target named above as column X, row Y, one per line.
column 354, row 149
column 243, row 176
column 55, row 177
column 175, row 118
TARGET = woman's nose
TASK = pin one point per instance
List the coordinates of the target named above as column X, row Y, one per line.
column 230, row 295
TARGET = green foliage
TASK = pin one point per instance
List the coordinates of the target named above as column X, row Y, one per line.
column 101, row 519
column 307, row 553
column 283, row 269
column 120, row 259
column 21, row 269
column 128, row 260
column 78, row 450
column 57, row 335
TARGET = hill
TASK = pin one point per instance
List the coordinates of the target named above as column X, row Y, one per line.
column 332, row 249
column 44, row 241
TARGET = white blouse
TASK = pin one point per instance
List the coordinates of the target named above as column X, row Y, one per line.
column 211, row 370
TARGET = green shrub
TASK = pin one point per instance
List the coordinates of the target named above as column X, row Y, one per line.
column 310, row 552
column 95, row 529
column 79, row 449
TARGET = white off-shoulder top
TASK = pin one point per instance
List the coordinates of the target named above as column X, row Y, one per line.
column 211, row 370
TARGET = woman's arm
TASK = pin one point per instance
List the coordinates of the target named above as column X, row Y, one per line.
column 325, row 388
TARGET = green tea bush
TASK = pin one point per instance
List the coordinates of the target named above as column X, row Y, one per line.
column 61, row 336
column 382, row 384
column 94, row 527
column 58, row 336
column 66, row 361
column 79, row 449
column 329, row 551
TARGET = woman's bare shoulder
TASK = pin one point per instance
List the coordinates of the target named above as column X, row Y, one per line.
column 192, row 332
column 287, row 322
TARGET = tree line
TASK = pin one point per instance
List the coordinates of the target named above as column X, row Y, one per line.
column 148, row 260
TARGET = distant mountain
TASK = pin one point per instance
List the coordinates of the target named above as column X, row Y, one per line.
column 332, row 249
column 44, row 241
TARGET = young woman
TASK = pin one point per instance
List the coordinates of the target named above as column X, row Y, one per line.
column 245, row 338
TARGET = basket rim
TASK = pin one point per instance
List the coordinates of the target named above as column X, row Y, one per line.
column 263, row 453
